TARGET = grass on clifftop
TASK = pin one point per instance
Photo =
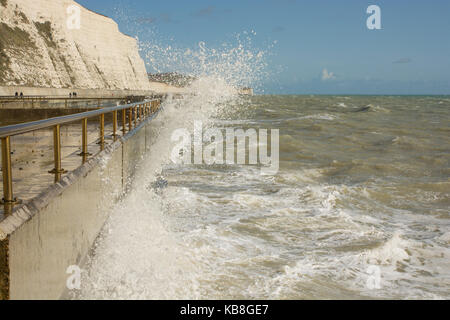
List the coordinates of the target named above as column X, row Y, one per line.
column 3, row 3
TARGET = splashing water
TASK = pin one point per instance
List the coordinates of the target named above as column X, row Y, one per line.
column 137, row 255
column 237, row 64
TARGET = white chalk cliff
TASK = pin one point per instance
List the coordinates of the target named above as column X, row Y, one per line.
column 38, row 48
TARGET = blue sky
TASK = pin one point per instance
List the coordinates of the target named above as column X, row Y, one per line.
column 323, row 47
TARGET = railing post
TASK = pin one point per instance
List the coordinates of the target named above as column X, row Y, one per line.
column 8, row 199
column 130, row 119
column 124, row 121
column 135, row 116
column 57, row 171
column 102, row 132
column 6, row 170
column 114, row 125
column 84, row 140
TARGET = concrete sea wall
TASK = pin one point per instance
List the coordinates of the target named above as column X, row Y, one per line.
column 42, row 238
column 154, row 88
column 64, row 92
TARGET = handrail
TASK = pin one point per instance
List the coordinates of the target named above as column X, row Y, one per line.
column 43, row 98
column 139, row 110
column 16, row 129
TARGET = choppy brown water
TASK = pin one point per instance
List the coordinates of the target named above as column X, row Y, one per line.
column 364, row 184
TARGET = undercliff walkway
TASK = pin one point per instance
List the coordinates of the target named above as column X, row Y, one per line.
column 73, row 99
column 59, row 178
column 101, row 125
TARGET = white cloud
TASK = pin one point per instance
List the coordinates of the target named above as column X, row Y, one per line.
column 327, row 75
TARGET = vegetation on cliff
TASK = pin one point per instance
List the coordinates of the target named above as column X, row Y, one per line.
column 22, row 16
column 4, row 62
column 45, row 31
column 11, row 39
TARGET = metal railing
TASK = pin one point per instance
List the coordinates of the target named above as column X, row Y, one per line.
column 136, row 112
column 8, row 100
column 25, row 98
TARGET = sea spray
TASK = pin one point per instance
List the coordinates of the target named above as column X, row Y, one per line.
column 237, row 63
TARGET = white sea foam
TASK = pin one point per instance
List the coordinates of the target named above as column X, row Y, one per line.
column 322, row 116
column 445, row 238
column 393, row 251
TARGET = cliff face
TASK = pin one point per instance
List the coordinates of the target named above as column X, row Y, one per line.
column 37, row 48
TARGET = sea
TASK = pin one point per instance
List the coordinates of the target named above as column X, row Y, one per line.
column 358, row 209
